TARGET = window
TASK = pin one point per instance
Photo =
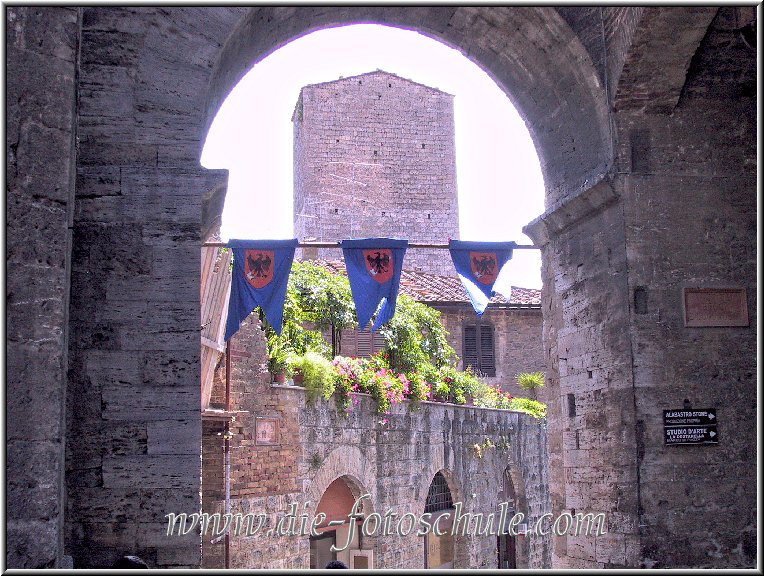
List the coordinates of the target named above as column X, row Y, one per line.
column 439, row 550
column 439, row 496
column 320, row 549
column 361, row 344
column 479, row 348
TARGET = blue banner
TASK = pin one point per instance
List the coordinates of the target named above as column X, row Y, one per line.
column 374, row 269
column 478, row 265
column 260, row 276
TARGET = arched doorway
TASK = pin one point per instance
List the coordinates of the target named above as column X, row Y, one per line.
column 337, row 538
column 439, row 543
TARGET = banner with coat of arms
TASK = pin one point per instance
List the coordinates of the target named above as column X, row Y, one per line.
column 374, row 268
column 478, row 265
column 260, row 274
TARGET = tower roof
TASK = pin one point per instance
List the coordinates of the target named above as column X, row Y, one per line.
column 377, row 72
column 365, row 74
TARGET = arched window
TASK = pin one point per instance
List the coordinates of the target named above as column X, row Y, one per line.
column 438, row 496
column 439, row 549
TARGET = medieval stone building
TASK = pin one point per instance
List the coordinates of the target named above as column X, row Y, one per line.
column 644, row 120
column 375, row 156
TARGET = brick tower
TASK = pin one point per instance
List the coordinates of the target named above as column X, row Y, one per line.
column 374, row 155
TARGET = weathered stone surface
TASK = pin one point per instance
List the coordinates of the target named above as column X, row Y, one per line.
column 375, row 154
column 174, row 437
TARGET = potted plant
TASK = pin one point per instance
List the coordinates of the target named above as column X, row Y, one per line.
column 530, row 381
column 279, row 354
column 318, row 374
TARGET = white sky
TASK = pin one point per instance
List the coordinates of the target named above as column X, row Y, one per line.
column 498, row 176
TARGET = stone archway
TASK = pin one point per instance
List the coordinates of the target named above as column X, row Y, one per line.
column 348, row 462
column 125, row 95
column 541, row 65
column 512, row 550
column 532, row 54
column 352, row 479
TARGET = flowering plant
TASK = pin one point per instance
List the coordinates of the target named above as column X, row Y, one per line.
column 347, row 379
column 386, row 387
column 419, row 389
column 493, row 397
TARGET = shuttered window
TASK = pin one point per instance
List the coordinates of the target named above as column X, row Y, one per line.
column 361, row 344
column 479, row 348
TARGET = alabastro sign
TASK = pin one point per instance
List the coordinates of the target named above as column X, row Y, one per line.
column 688, row 426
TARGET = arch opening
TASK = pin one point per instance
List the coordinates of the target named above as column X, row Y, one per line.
column 335, row 538
column 439, row 544
column 543, row 68
column 254, row 136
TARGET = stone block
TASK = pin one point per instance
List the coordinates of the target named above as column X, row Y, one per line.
column 129, row 401
column 94, row 152
column 39, row 248
column 611, row 549
column 100, row 505
column 581, row 547
column 34, row 479
column 155, row 503
column 174, row 437
column 42, row 88
column 165, row 471
column 34, row 408
column 31, row 544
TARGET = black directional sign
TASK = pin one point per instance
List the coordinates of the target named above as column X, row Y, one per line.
column 684, row 417
column 689, row 426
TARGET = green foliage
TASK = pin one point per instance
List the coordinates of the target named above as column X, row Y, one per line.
column 416, row 363
column 280, row 352
column 466, row 385
column 415, row 336
column 419, row 389
column 533, row 407
column 530, row 380
column 322, row 298
column 488, row 396
column 318, row 375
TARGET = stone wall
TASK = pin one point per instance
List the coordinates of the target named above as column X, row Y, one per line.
column 133, row 423
column 375, row 156
column 393, row 461
column 518, row 346
column 41, row 55
column 704, row 496
column 125, row 96
column 679, row 211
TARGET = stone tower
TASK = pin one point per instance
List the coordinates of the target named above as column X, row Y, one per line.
column 374, row 155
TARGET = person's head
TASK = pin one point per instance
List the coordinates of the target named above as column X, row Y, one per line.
column 336, row 564
column 130, row 562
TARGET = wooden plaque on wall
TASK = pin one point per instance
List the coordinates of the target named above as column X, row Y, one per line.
column 715, row 307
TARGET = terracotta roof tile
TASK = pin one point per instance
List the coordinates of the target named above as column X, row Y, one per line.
column 427, row 287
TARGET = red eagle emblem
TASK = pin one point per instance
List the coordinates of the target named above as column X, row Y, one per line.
column 258, row 267
column 379, row 264
column 485, row 266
